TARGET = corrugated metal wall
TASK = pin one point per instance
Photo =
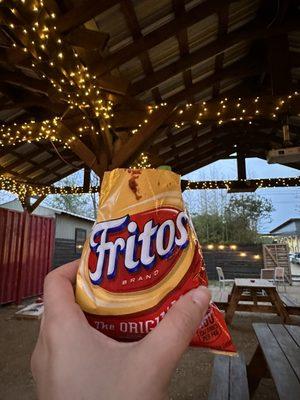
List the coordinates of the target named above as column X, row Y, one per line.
column 26, row 249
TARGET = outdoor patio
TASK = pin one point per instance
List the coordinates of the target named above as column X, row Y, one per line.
column 107, row 107
column 192, row 377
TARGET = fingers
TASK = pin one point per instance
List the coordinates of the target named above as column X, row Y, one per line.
column 167, row 342
column 58, row 290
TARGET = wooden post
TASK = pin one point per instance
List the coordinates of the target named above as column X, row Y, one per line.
column 86, row 179
column 23, row 256
column 241, row 166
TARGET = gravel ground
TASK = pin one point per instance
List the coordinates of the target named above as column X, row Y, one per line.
column 190, row 381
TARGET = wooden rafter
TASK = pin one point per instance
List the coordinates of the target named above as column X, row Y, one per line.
column 83, row 152
column 238, row 70
column 182, row 38
column 87, row 38
column 279, row 64
column 82, row 13
column 248, row 32
column 223, row 16
column 139, row 142
column 31, row 207
column 152, row 39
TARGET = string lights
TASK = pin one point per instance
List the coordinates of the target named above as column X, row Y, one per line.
column 23, row 189
column 242, row 183
column 34, row 131
column 54, row 60
column 233, row 247
column 142, row 162
column 227, row 110
column 72, row 83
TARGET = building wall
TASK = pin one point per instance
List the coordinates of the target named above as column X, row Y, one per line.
column 66, row 225
column 65, row 250
column 291, row 227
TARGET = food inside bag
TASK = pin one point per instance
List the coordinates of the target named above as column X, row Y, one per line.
column 141, row 256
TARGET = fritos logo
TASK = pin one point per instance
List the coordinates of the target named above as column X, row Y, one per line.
column 140, row 245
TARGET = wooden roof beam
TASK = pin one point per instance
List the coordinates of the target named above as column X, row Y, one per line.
column 164, row 32
column 137, row 143
column 26, row 82
column 202, row 161
column 128, row 11
column 23, row 98
column 223, row 16
column 85, row 11
column 87, row 38
column 183, row 42
column 129, row 119
column 279, row 64
column 248, row 32
column 238, row 70
column 83, row 152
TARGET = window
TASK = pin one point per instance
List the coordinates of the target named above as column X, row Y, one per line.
column 80, row 236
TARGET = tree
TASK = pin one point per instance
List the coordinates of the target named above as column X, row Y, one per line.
column 244, row 214
column 77, row 204
column 238, row 221
column 209, row 227
column 95, row 181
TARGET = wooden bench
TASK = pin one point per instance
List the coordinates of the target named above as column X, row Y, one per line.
column 277, row 355
column 292, row 305
column 229, row 379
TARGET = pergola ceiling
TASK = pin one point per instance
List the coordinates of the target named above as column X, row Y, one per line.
column 150, row 52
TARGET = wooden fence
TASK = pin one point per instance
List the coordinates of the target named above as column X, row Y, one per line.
column 246, row 261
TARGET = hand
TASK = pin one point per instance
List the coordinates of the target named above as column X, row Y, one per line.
column 74, row 361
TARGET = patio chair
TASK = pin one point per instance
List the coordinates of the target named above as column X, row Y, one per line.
column 267, row 273
column 279, row 277
column 222, row 280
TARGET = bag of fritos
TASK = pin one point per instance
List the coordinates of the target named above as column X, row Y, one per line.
column 141, row 256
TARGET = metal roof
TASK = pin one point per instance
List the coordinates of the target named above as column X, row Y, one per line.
column 168, row 50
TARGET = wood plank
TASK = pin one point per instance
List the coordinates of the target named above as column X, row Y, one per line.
column 234, row 300
column 219, row 385
column 238, row 383
column 279, row 64
column 288, row 346
column 82, row 13
column 276, row 301
column 87, row 38
column 223, row 16
column 294, row 331
column 82, row 151
column 287, row 300
column 137, row 143
column 238, row 70
column 37, row 202
column 183, row 42
column 248, row 32
column 157, row 36
column 256, row 369
column 258, row 283
column 286, row 382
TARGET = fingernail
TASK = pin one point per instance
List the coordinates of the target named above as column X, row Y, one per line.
column 201, row 295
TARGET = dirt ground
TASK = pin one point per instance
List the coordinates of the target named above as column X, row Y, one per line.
column 191, row 380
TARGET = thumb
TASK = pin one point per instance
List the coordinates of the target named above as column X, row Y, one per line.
column 167, row 342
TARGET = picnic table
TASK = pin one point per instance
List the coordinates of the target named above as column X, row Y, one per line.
column 255, row 291
column 277, row 355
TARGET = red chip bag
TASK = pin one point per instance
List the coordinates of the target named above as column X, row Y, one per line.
column 141, row 256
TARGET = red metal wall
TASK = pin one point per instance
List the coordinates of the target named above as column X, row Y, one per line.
column 26, row 249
